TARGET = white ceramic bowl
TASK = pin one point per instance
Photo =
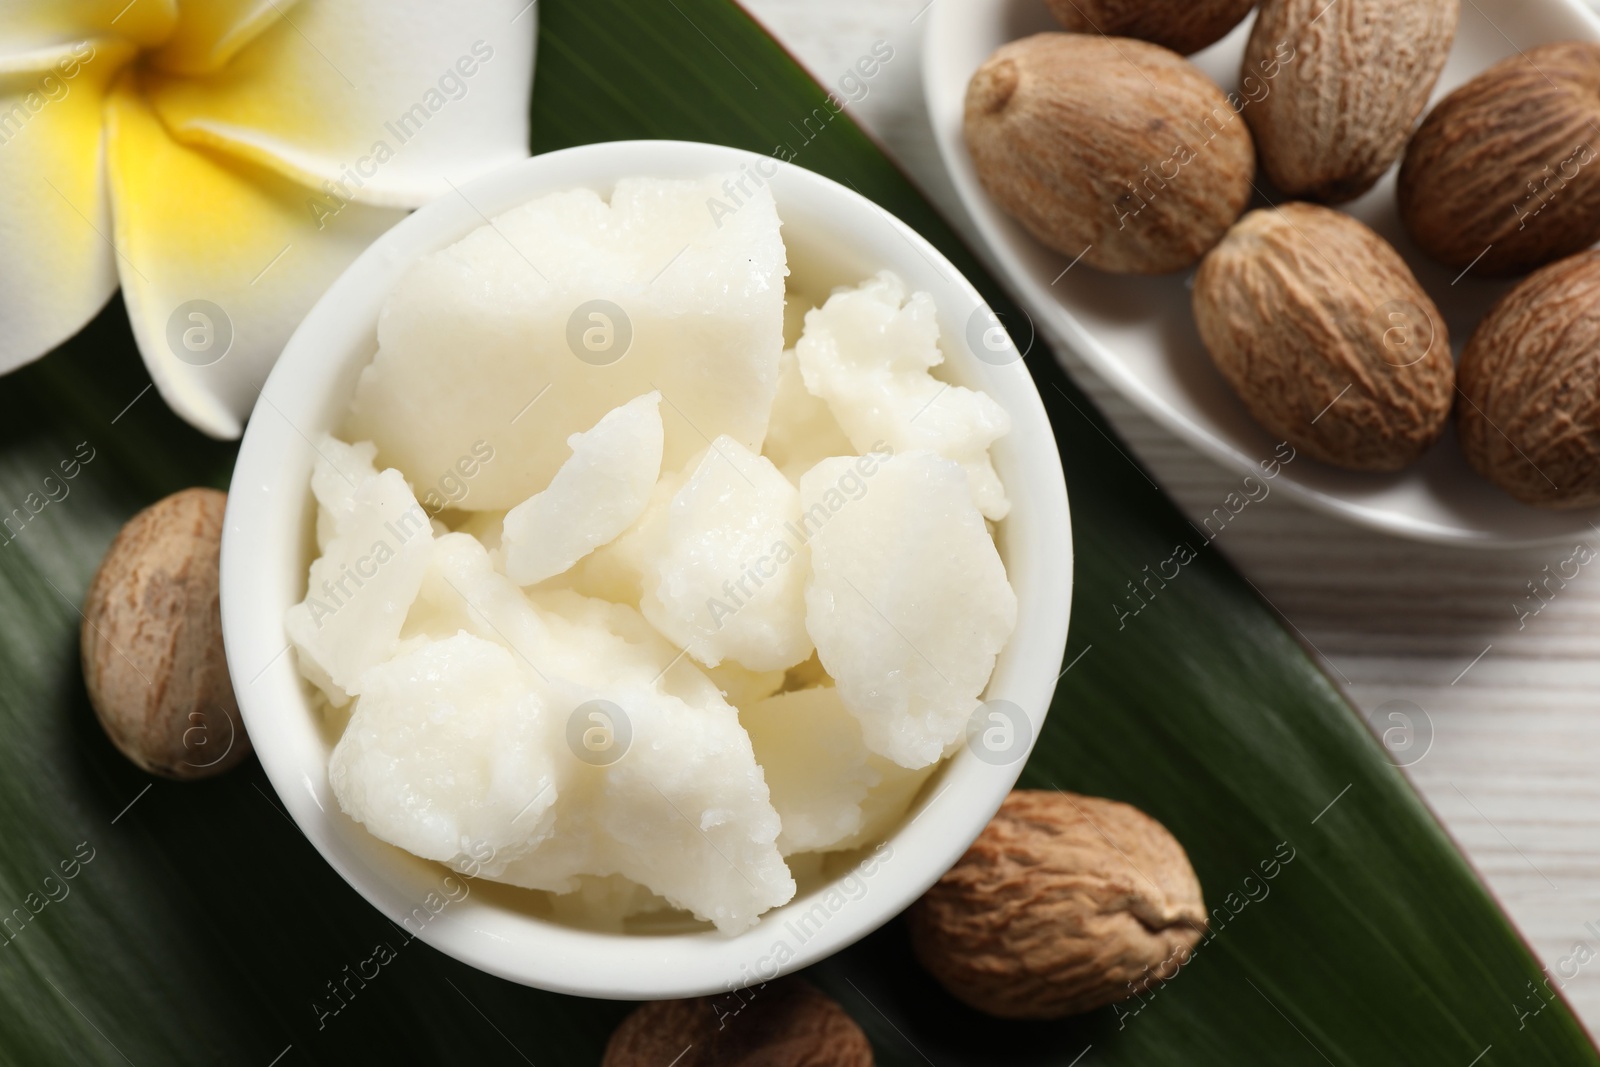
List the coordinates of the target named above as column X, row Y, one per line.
column 834, row 237
column 1139, row 335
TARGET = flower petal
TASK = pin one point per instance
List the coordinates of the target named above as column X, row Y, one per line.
column 56, row 268
column 381, row 98
column 212, row 32
column 220, row 260
column 25, row 27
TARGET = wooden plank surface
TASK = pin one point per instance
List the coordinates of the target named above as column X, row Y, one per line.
column 1504, row 702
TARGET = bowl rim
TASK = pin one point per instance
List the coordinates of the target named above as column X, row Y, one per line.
column 264, row 556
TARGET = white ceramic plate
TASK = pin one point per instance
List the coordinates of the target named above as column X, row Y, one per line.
column 833, row 236
column 1139, row 334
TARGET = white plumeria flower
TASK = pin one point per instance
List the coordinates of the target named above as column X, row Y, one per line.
column 231, row 155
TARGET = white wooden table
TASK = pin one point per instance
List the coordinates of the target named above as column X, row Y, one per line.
column 1513, row 700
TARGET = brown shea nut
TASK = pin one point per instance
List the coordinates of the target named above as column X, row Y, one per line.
column 1504, row 175
column 1064, row 904
column 1324, row 333
column 1351, row 79
column 1109, row 148
column 152, row 641
column 786, row 1023
column 1529, row 417
column 1184, row 26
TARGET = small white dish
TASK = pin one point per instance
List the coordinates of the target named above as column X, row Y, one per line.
column 834, row 236
column 1139, row 335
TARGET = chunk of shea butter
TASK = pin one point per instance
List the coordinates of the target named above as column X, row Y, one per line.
column 679, row 805
column 741, row 686
column 908, row 601
column 449, row 750
column 604, row 903
column 684, row 810
column 729, row 582
column 819, row 771
column 803, row 429
column 830, row 792
column 363, row 584
column 616, row 571
column 339, row 469
column 867, row 352
column 530, row 329
column 656, row 777
column 887, row 802
column 599, row 492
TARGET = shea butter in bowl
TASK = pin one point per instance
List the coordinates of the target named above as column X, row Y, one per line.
column 646, row 570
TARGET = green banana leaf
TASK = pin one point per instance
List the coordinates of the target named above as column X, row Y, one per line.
column 201, row 927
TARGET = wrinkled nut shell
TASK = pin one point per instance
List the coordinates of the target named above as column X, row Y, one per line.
column 1064, row 904
column 152, row 641
column 1184, row 26
column 1349, row 80
column 1109, row 148
column 1507, row 167
column 787, row 1023
column 1324, row 333
column 1530, row 380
